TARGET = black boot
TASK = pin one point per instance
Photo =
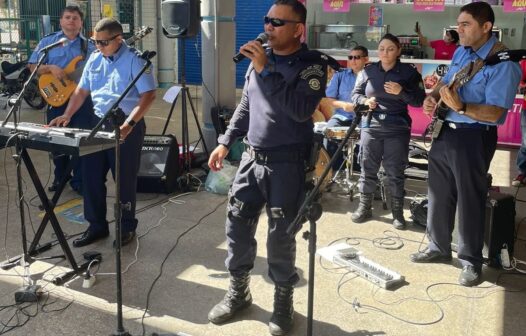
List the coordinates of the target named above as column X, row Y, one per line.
column 364, row 211
column 282, row 317
column 236, row 298
column 397, row 208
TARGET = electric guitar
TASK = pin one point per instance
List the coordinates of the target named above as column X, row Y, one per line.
column 56, row 92
column 459, row 79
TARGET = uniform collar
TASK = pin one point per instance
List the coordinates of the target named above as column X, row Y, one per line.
column 118, row 54
column 484, row 50
column 79, row 36
column 396, row 68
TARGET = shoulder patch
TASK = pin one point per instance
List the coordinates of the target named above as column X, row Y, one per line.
column 53, row 33
column 315, row 70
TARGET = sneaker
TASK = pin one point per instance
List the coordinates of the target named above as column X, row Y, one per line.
column 519, row 181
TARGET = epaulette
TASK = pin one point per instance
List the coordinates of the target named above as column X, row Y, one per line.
column 53, row 33
column 135, row 51
column 367, row 64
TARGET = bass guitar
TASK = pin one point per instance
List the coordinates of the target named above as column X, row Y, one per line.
column 56, row 92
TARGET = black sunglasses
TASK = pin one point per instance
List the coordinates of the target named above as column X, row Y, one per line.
column 275, row 22
column 105, row 43
column 351, row 57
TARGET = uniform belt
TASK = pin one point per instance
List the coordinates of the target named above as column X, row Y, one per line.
column 275, row 156
column 456, row 125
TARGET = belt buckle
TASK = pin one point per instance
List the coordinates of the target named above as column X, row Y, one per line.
column 452, row 125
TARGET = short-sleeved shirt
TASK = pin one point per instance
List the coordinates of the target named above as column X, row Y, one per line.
column 107, row 77
column 340, row 88
column 63, row 55
column 492, row 85
column 443, row 51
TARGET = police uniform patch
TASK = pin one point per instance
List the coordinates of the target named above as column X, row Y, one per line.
column 314, row 84
column 312, row 70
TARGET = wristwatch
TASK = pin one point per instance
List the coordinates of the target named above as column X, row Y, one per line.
column 131, row 122
column 463, row 109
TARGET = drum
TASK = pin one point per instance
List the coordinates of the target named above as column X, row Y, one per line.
column 320, row 127
column 323, row 160
column 338, row 133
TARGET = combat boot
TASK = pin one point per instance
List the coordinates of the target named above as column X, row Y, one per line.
column 397, row 208
column 236, row 298
column 364, row 211
column 282, row 317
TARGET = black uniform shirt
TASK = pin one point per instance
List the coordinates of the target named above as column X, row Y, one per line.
column 277, row 105
column 391, row 108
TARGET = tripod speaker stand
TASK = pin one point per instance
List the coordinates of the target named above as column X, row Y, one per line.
column 185, row 146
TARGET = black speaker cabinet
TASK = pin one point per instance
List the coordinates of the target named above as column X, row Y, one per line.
column 180, row 18
column 499, row 229
column 159, row 164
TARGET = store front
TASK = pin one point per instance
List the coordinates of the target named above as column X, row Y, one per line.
column 336, row 26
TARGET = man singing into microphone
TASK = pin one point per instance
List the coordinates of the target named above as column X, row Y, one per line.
column 280, row 95
column 58, row 58
column 106, row 75
column 461, row 155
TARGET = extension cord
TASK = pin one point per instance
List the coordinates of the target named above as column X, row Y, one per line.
column 88, row 282
column 505, row 257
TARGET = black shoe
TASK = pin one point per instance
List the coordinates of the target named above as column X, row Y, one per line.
column 89, row 237
column 126, row 238
column 236, row 299
column 430, row 256
column 470, row 276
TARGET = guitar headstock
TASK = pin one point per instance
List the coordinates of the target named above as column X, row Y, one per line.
column 139, row 35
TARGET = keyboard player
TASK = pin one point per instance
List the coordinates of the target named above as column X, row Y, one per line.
column 107, row 73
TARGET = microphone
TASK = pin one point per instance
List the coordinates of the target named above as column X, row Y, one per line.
column 62, row 42
column 506, row 56
column 262, row 38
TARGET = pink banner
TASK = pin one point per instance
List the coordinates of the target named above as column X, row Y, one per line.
column 428, row 5
column 514, row 6
column 509, row 133
column 336, row 5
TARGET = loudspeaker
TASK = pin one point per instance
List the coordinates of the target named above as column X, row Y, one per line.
column 180, row 18
column 159, row 164
column 499, row 228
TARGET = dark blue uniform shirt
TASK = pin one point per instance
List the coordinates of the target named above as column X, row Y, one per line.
column 391, row 108
column 276, row 107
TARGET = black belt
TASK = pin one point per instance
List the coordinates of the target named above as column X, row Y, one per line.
column 456, row 125
column 263, row 156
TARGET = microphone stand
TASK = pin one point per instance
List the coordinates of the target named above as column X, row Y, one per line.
column 26, row 258
column 312, row 210
column 116, row 115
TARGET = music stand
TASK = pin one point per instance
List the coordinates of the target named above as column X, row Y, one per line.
column 312, row 211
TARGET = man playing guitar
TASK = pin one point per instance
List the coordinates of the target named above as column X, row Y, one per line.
column 58, row 58
column 461, row 154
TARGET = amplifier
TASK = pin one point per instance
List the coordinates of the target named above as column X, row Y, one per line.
column 499, row 228
column 159, row 167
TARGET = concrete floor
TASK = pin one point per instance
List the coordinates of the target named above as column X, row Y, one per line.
column 184, row 236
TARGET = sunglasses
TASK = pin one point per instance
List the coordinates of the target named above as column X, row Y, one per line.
column 104, row 43
column 275, row 22
column 351, row 57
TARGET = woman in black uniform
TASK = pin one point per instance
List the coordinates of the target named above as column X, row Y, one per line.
column 387, row 87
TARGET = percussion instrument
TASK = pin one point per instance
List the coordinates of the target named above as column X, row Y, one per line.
column 338, row 133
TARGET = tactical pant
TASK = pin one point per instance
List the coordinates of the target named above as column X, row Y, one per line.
column 386, row 146
column 281, row 187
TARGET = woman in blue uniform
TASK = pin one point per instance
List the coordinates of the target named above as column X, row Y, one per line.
column 387, row 87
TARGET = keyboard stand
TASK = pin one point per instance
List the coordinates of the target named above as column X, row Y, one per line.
column 49, row 206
